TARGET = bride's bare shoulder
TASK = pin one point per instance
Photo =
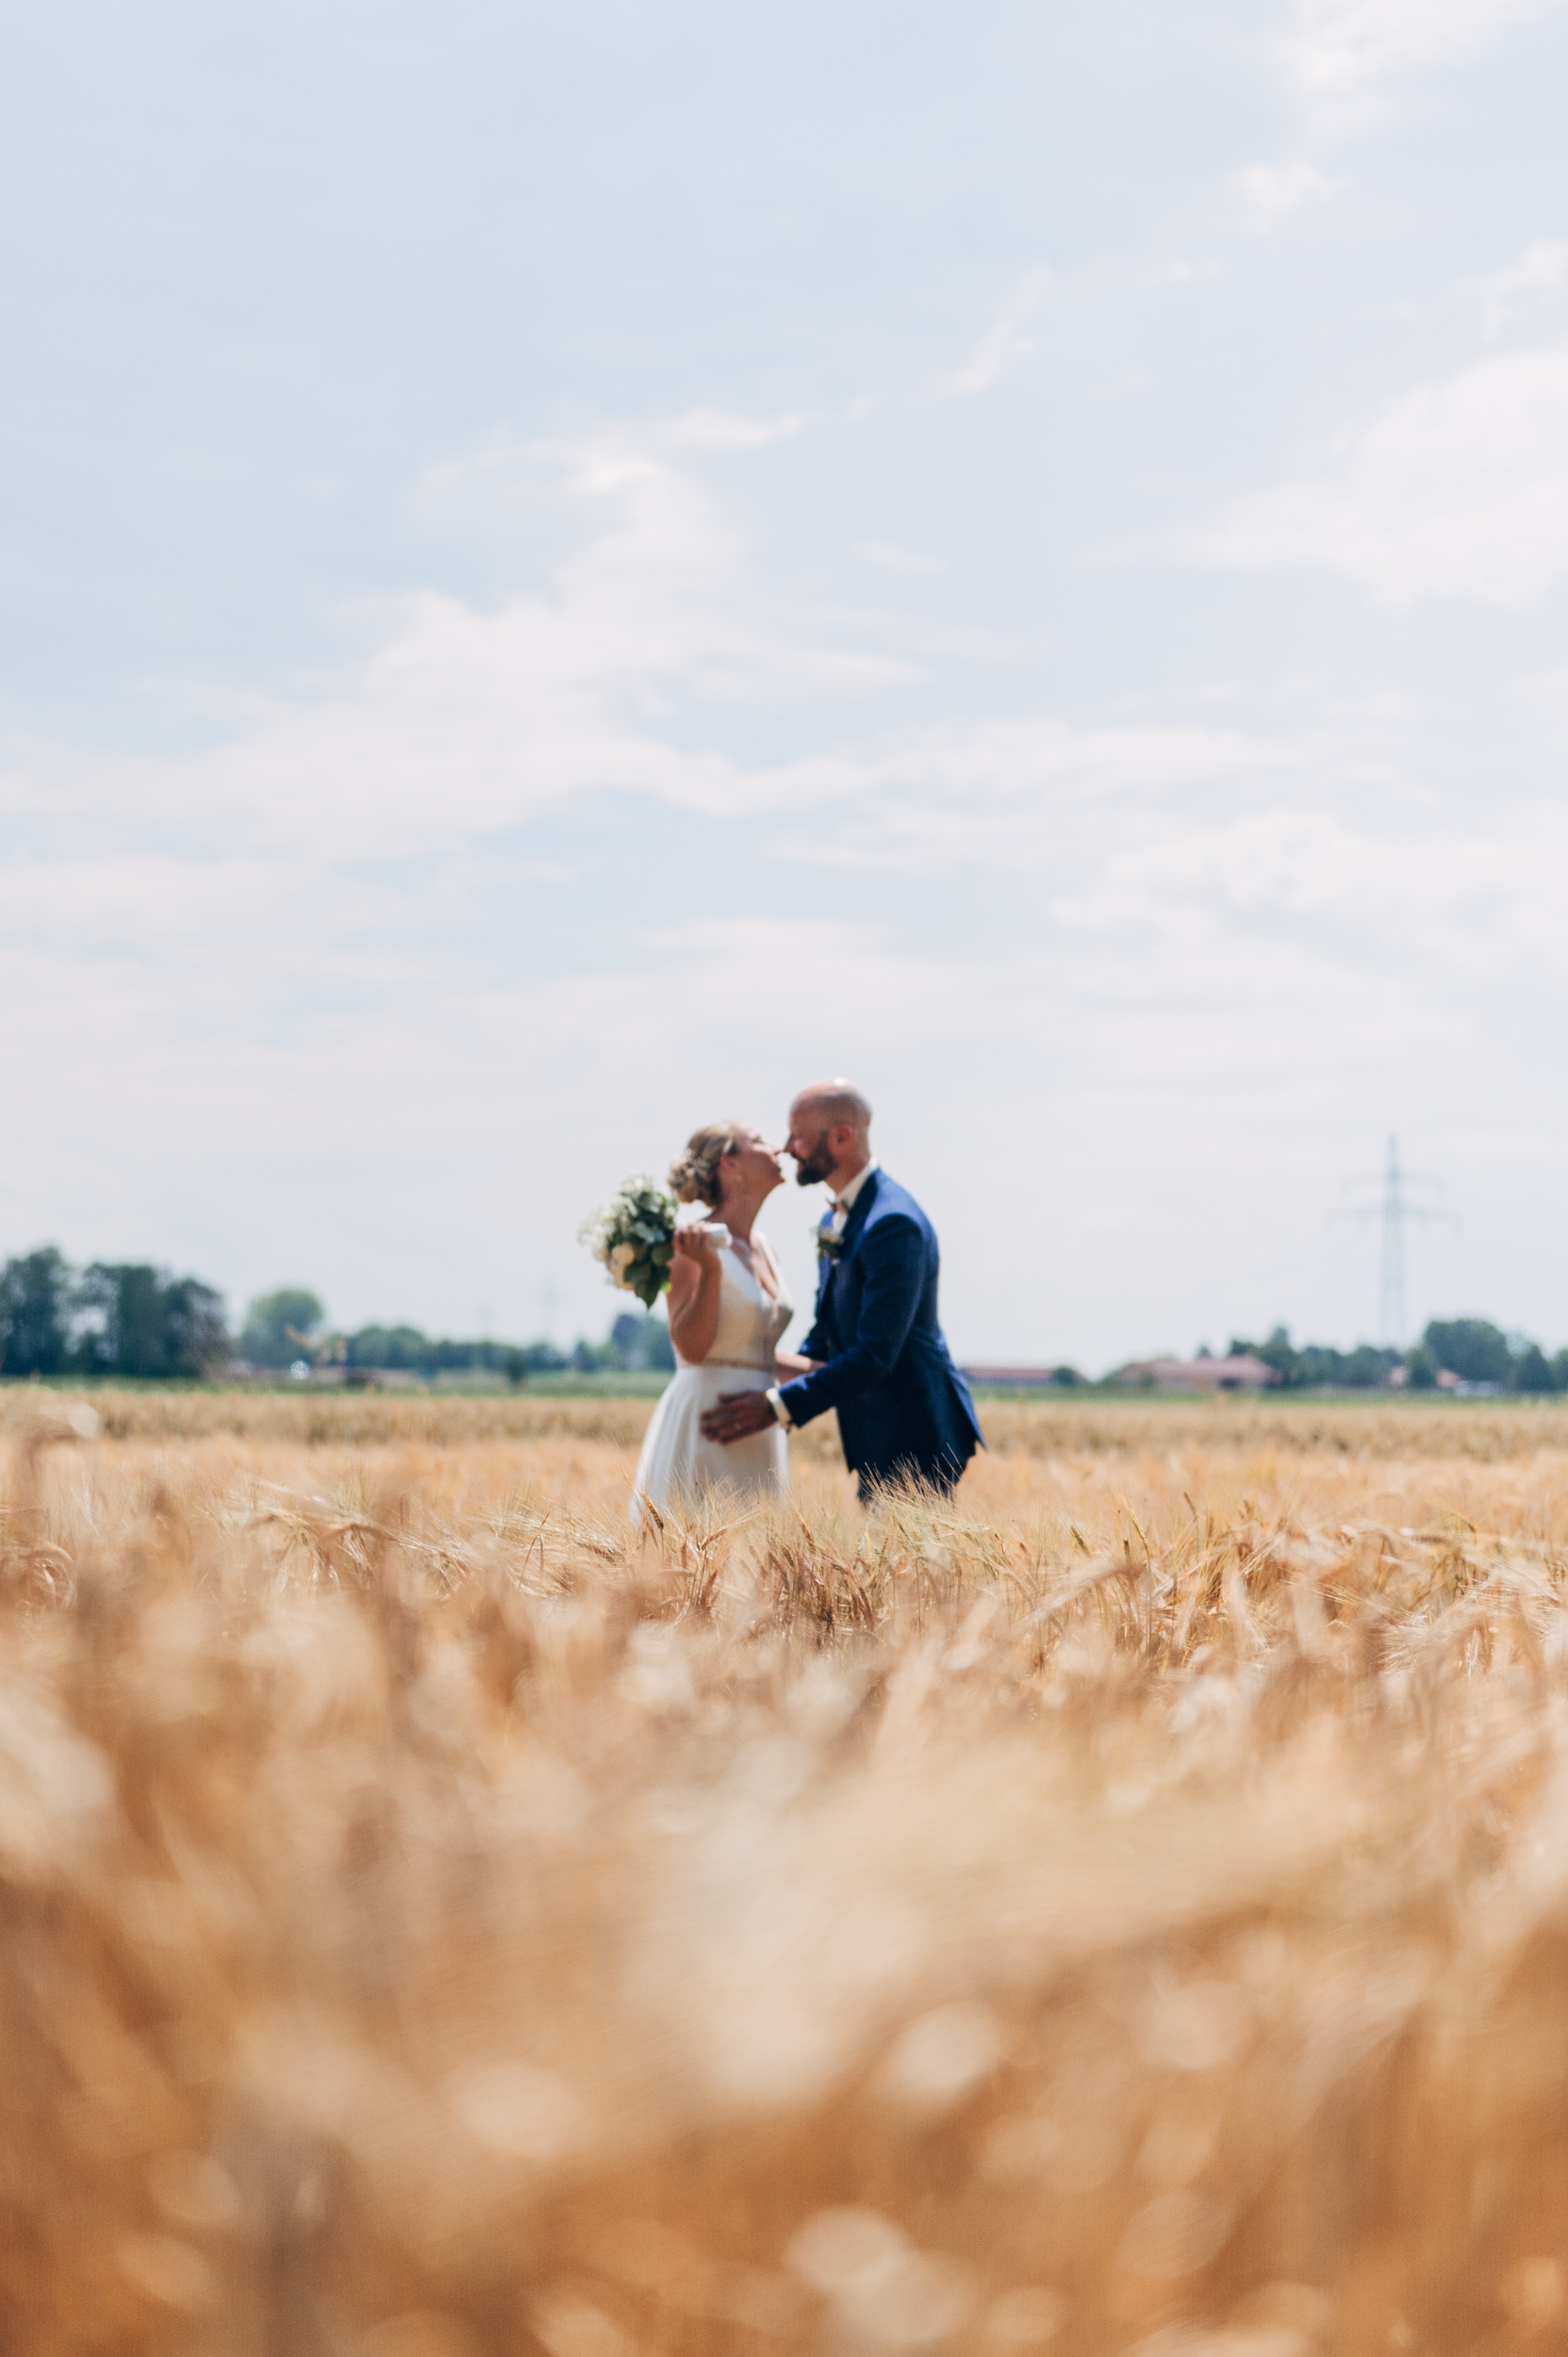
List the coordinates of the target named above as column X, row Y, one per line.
column 761, row 1244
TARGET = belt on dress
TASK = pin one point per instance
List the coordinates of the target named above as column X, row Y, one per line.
column 748, row 1366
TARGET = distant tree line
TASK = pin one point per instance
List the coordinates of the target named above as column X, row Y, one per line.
column 127, row 1318
column 115, row 1317
column 1473, row 1348
column 1318, row 1364
column 281, row 1327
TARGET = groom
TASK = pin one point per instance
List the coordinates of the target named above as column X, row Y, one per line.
column 904, row 1412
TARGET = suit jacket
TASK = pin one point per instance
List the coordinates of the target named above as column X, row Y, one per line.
column 902, row 1406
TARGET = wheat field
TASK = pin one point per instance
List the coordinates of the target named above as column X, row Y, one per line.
column 1125, row 1910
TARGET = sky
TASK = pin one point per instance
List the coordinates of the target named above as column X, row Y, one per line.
column 564, row 573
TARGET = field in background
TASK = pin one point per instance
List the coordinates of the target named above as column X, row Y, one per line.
column 1126, row 1911
column 1513, row 1429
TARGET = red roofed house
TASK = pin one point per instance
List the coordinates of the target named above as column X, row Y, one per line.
column 1240, row 1373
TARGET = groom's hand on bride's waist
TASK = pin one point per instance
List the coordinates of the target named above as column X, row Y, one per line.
column 737, row 1415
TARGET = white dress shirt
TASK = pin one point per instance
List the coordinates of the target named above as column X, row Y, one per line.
column 843, row 1204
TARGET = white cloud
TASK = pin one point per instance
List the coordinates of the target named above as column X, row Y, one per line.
column 1011, row 795
column 1466, row 895
column 1001, row 343
column 467, row 721
column 1343, row 51
column 887, row 557
column 504, row 477
column 1270, row 193
column 1535, row 280
column 1459, row 488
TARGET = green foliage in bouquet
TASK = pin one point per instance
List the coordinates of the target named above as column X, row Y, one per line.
column 631, row 1236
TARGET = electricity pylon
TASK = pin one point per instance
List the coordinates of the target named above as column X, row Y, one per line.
column 1394, row 1210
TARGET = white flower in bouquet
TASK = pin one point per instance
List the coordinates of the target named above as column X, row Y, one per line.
column 631, row 1238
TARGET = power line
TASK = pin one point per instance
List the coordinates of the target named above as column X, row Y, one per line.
column 1393, row 1208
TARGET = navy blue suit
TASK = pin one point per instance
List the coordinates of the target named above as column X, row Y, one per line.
column 904, row 1408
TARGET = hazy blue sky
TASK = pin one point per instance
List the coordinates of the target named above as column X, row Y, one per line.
column 562, row 572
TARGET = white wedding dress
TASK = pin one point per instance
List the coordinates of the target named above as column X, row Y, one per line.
column 677, row 1466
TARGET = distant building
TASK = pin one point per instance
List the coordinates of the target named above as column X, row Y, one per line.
column 1241, row 1372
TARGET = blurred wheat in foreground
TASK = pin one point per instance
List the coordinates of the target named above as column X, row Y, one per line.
column 1127, row 1911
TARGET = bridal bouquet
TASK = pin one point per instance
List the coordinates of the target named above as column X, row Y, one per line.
column 631, row 1236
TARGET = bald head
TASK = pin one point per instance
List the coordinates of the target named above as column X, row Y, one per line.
column 835, row 1101
column 829, row 1133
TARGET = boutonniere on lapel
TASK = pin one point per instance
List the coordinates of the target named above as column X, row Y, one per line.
column 828, row 1246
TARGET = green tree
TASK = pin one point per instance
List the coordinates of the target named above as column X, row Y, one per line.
column 404, row 1346
column 1533, row 1370
column 1421, row 1368
column 518, row 1364
column 642, row 1341
column 1367, row 1366
column 146, row 1323
column 1474, row 1348
column 37, row 1297
column 1277, row 1353
column 264, row 1338
column 594, row 1357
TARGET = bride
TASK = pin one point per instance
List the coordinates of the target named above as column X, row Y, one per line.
column 728, row 1308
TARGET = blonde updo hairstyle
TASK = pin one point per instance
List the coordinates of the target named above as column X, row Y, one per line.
column 694, row 1177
